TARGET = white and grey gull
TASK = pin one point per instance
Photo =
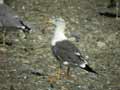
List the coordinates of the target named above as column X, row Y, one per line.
column 65, row 51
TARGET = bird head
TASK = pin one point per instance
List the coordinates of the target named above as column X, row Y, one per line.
column 57, row 21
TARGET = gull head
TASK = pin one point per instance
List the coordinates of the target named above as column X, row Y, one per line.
column 57, row 21
column 59, row 24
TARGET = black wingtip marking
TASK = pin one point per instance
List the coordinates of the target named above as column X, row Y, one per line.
column 26, row 29
column 89, row 69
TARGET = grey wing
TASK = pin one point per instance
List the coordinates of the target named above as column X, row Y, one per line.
column 8, row 17
column 68, row 52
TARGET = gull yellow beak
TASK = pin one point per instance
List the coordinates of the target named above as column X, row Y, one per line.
column 49, row 22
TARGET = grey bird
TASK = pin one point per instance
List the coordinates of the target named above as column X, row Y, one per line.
column 64, row 51
column 9, row 20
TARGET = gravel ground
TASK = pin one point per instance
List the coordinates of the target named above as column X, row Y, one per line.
column 99, row 42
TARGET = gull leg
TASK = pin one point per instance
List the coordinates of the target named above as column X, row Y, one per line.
column 68, row 71
column 58, row 74
column 67, row 74
column 54, row 78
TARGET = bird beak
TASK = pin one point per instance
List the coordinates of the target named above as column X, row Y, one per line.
column 48, row 22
